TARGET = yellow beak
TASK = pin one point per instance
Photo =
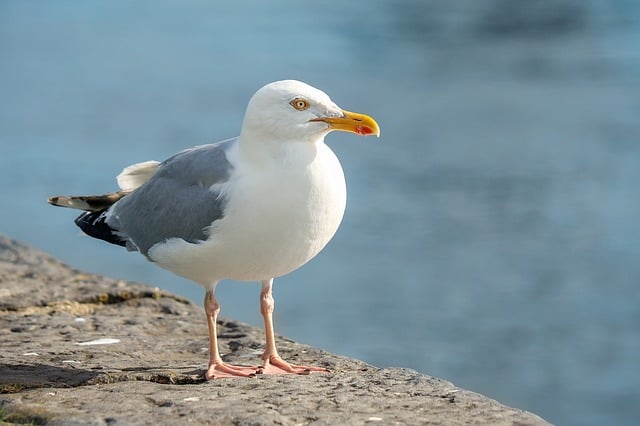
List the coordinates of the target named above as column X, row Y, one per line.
column 353, row 122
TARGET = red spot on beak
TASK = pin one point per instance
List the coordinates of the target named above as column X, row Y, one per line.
column 363, row 130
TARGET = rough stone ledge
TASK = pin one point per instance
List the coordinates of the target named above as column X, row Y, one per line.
column 152, row 372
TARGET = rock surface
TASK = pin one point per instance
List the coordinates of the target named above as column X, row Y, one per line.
column 150, row 365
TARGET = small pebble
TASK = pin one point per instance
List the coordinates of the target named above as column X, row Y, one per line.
column 99, row 342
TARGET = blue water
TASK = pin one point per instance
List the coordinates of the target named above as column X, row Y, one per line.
column 491, row 233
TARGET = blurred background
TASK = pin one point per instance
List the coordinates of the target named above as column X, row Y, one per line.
column 491, row 233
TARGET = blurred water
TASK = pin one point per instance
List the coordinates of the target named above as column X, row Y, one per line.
column 490, row 236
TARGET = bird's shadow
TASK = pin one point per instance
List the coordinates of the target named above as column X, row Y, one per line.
column 17, row 377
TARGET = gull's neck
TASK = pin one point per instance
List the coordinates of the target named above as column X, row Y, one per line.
column 265, row 148
column 267, row 152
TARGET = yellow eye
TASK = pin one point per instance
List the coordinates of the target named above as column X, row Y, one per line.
column 299, row 104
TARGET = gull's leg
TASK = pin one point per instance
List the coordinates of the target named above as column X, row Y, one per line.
column 273, row 364
column 217, row 367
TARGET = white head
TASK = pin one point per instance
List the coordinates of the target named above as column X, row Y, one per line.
column 294, row 111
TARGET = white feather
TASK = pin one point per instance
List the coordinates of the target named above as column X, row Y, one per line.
column 135, row 175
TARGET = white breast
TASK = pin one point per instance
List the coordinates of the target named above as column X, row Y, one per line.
column 279, row 215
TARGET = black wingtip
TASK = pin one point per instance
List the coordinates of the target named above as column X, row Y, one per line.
column 94, row 224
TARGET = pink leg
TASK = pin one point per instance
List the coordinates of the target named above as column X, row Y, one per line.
column 273, row 364
column 218, row 368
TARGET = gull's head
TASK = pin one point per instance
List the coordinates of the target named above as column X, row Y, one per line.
column 294, row 111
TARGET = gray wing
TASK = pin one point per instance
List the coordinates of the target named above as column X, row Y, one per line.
column 177, row 201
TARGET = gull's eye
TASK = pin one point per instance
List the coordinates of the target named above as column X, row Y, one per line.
column 299, row 104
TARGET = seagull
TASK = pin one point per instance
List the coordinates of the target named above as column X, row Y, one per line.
column 251, row 208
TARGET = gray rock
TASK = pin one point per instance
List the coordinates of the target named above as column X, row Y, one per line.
column 153, row 369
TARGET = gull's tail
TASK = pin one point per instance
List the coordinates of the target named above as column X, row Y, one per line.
column 130, row 179
column 93, row 221
column 89, row 203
